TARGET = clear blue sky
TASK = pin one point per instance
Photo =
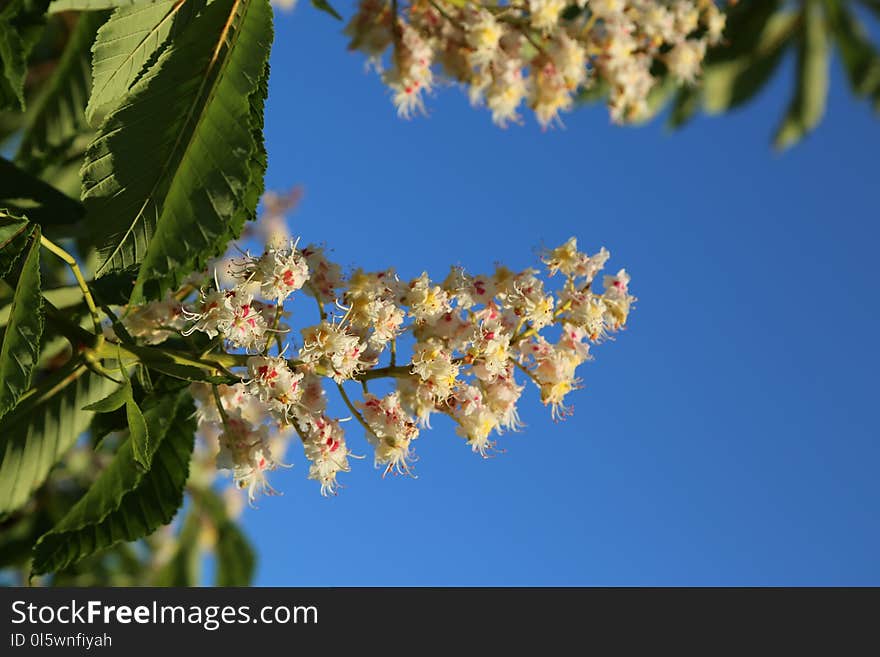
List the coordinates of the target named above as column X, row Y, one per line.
column 728, row 437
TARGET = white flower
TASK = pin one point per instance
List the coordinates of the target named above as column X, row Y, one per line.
column 715, row 21
column 476, row 420
column 544, row 14
column 334, row 348
column 501, row 395
column 684, row 60
column 232, row 314
column 504, row 53
column 411, row 76
column 274, row 383
column 466, row 335
column 507, row 91
column 326, row 449
column 244, row 450
column 391, row 431
column 617, row 298
column 483, row 34
column 278, row 272
column 434, row 365
column 550, row 94
column 241, row 323
column 426, row 301
column 155, row 322
column 325, row 277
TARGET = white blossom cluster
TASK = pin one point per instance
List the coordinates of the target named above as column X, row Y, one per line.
column 537, row 53
column 470, row 337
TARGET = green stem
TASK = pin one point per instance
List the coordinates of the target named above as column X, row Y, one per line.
column 398, row 372
column 50, row 246
column 321, row 311
column 354, row 411
column 526, row 372
column 220, row 408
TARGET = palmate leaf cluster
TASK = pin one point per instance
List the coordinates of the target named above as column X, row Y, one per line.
column 133, row 135
column 760, row 35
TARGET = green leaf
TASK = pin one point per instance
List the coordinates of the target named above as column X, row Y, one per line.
column 114, row 401
column 597, row 91
column 860, row 59
column 744, row 27
column 128, row 43
column 658, row 97
column 21, row 22
column 11, row 227
column 185, row 372
column 58, row 115
column 684, row 106
column 872, row 5
column 14, row 234
column 732, row 82
column 12, row 67
column 115, row 288
column 60, row 297
column 139, row 434
column 138, row 431
column 24, row 193
column 171, row 177
column 92, row 5
column 811, row 92
column 21, row 340
column 183, row 568
column 127, row 503
column 324, row 6
column 43, row 426
column 104, row 424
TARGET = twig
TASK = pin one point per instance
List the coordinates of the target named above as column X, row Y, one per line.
column 354, row 411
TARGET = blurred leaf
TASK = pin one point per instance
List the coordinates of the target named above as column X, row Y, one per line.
column 60, row 297
column 571, row 12
column 873, row 5
column 860, row 59
column 597, row 91
column 58, row 115
column 21, row 340
column 744, row 28
column 732, row 82
column 756, row 38
column 171, row 178
column 42, row 203
column 43, row 426
column 92, row 5
column 236, row 559
column 12, row 59
column 684, row 107
column 811, row 91
column 125, row 502
column 16, row 542
column 324, row 6
column 183, row 567
column 21, row 22
column 660, row 94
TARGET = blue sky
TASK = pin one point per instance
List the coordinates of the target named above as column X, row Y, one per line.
column 727, row 438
